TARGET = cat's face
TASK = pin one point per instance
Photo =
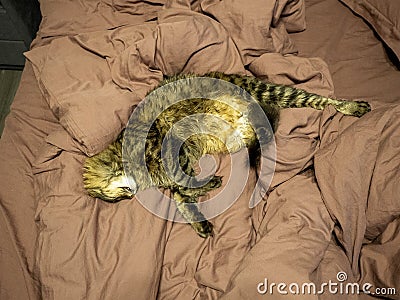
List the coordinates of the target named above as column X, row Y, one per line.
column 118, row 188
column 104, row 178
column 112, row 189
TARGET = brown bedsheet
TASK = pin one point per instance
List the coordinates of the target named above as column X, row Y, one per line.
column 333, row 204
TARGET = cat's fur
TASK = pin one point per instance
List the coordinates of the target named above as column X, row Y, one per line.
column 104, row 175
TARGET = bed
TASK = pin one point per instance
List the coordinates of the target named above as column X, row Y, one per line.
column 330, row 218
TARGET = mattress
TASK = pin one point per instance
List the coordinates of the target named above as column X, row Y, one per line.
column 329, row 218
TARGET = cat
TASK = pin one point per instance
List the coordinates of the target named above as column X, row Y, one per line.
column 104, row 174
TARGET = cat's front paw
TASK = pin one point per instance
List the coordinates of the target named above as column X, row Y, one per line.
column 203, row 228
column 214, row 183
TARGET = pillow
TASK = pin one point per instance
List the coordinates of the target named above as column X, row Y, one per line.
column 62, row 18
column 383, row 16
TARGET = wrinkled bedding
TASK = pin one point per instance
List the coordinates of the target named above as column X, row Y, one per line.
column 333, row 204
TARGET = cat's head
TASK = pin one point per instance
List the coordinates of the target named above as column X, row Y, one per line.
column 110, row 188
column 104, row 176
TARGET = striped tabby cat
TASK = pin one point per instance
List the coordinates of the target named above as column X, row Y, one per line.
column 104, row 174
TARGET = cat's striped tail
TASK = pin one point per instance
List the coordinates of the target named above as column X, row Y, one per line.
column 288, row 97
column 271, row 95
